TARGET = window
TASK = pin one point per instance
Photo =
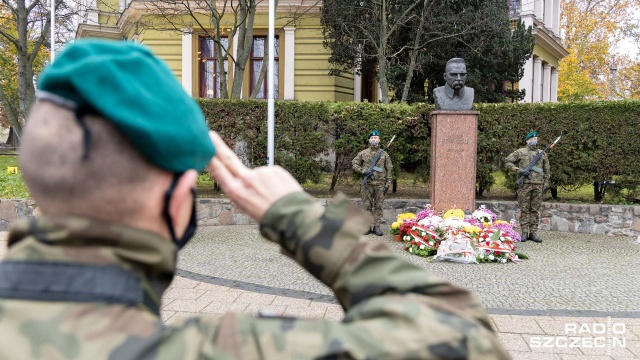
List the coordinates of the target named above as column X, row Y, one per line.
column 514, row 8
column 368, row 83
column 257, row 58
column 209, row 68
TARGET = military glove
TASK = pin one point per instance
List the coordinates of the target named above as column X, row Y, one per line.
column 367, row 172
column 384, row 190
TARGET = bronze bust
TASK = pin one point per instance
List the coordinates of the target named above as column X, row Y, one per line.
column 454, row 95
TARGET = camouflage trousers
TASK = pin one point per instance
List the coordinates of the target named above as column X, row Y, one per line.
column 372, row 199
column 529, row 201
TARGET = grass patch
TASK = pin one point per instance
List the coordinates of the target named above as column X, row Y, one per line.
column 8, row 160
column 11, row 185
column 410, row 187
column 582, row 194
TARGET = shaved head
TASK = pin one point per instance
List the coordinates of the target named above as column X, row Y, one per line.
column 113, row 184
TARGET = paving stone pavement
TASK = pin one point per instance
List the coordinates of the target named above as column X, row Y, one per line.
column 575, row 298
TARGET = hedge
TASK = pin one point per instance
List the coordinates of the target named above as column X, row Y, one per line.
column 599, row 139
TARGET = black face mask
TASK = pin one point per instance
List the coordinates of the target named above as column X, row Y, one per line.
column 193, row 224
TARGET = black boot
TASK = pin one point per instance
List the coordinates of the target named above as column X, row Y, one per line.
column 525, row 237
column 535, row 238
column 376, row 230
column 369, row 231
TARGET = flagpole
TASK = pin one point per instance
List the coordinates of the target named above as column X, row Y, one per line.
column 270, row 85
column 53, row 30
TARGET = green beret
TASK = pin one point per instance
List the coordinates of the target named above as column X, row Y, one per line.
column 126, row 84
column 530, row 135
column 374, row 133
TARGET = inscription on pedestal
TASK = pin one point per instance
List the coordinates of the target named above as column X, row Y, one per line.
column 453, row 159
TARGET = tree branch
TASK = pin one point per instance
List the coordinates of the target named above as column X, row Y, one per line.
column 10, row 38
column 32, row 6
column 400, row 21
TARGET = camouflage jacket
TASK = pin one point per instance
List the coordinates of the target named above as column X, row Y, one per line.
column 394, row 309
column 522, row 157
column 363, row 160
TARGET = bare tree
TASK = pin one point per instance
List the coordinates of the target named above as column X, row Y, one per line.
column 24, row 48
column 232, row 19
column 24, row 30
column 359, row 30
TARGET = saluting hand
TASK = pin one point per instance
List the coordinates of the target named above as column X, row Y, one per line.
column 253, row 190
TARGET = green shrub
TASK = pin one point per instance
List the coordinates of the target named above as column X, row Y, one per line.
column 300, row 133
column 599, row 138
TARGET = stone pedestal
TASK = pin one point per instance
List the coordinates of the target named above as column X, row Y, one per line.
column 453, row 159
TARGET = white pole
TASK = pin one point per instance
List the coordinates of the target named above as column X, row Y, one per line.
column 270, row 84
column 53, row 30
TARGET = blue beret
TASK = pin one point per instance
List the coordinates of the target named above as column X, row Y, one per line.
column 374, row 133
column 530, row 135
column 130, row 87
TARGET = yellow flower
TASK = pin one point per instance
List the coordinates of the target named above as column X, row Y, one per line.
column 501, row 222
column 396, row 224
column 454, row 213
column 471, row 229
column 406, row 216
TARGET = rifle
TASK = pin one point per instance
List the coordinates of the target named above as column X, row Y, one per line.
column 373, row 167
column 532, row 165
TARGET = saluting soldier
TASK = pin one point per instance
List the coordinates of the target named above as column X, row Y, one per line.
column 85, row 280
column 378, row 179
column 530, row 193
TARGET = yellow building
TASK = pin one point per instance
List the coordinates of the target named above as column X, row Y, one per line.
column 302, row 65
column 302, row 71
column 540, row 78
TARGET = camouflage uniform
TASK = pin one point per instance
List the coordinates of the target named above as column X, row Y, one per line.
column 530, row 193
column 394, row 309
column 372, row 194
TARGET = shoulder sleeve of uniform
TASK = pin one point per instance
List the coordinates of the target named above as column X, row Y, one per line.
column 327, row 242
column 513, row 156
column 511, row 159
column 356, row 163
column 300, row 225
column 389, row 170
column 387, row 160
column 378, row 290
column 391, row 327
column 546, row 168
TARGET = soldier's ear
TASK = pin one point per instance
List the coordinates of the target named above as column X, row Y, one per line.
column 180, row 204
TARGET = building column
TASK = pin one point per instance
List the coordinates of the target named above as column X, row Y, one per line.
column 230, row 72
column 538, row 9
column 187, row 61
column 527, row 7
column 289, row 63
column 357, row 85
column 537, row 80
column 548, row 13
column 357, row 80
column 546, row 83
column 90, row 8
column 527, row 79
column 554, row 84
column 556, row 17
